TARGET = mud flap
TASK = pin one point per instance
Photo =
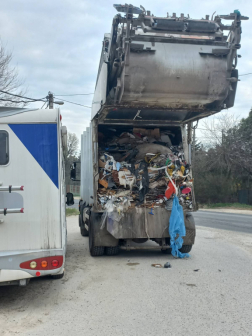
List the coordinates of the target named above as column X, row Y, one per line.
column 101, row 236
column 190, row 229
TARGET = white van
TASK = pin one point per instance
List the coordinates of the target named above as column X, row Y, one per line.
column 32, row 195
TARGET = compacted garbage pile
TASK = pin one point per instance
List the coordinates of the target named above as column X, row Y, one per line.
column 141, row 168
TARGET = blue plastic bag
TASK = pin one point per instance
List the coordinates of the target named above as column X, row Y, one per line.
column 177, row 227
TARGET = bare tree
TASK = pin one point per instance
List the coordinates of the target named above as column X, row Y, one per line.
column 224, row 164
column 217, row 135
column 216, row 128
column 231, row 144
column 10, row 81
column 71, row 155
column 72, row 145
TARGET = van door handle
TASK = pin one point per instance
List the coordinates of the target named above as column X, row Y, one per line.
column 11, row 188
column 6, row 211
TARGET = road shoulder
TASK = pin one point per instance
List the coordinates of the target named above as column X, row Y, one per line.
column 234, row 211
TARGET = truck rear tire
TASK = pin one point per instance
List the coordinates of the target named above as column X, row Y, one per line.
column 167, row 251
column 84, row 231
column 186, row 248
column 95, row 251
column 112, row 250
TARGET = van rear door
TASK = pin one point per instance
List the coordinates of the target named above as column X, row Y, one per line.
column 29, row 158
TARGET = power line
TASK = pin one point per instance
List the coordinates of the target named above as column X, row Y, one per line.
column 15, row 101
column 75, row 103
column 31, row 99
column 43, row 105
column 76, row 94
column 250, row 73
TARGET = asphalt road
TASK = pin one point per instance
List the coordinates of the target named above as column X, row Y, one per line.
column 224, row 221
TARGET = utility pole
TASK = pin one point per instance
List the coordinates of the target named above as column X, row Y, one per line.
column 50, row 100
column 194, row 143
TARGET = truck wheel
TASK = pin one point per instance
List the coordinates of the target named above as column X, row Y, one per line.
column 186, row 248
column 167, row 251
column 57, row 276
column 84, row 231
column 95, row 251
column 112, row 250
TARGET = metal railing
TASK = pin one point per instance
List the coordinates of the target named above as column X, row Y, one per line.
column 9, row 189
column 6, row 211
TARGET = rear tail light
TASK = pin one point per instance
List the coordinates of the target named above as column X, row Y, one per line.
column 44, row 263
column 48, row 263
column 33, row 264
column 55, row 263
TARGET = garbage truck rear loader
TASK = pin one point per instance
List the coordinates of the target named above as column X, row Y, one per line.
column 156, row 77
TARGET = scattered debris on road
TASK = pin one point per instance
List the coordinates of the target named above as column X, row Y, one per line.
column 167, row 265
column 132, row 264
column 157, row 265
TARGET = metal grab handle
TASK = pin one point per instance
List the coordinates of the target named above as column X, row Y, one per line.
column 11, row 188
column 9, row 211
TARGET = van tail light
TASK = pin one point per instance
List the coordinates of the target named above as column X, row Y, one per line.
column 44, row 263
column 55, row 263
column 47, row 263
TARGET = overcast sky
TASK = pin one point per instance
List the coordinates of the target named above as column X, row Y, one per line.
column 56, row 46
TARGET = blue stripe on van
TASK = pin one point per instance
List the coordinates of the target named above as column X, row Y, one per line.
column 41, row 141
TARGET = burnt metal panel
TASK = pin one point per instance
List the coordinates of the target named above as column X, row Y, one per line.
column 139, row 223
column 175, row 76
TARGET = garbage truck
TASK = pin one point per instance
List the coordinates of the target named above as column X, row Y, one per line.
column 157, row 77
column 32, row 195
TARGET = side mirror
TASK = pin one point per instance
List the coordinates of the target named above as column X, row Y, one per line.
column 73, row 171
column 70, row 199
